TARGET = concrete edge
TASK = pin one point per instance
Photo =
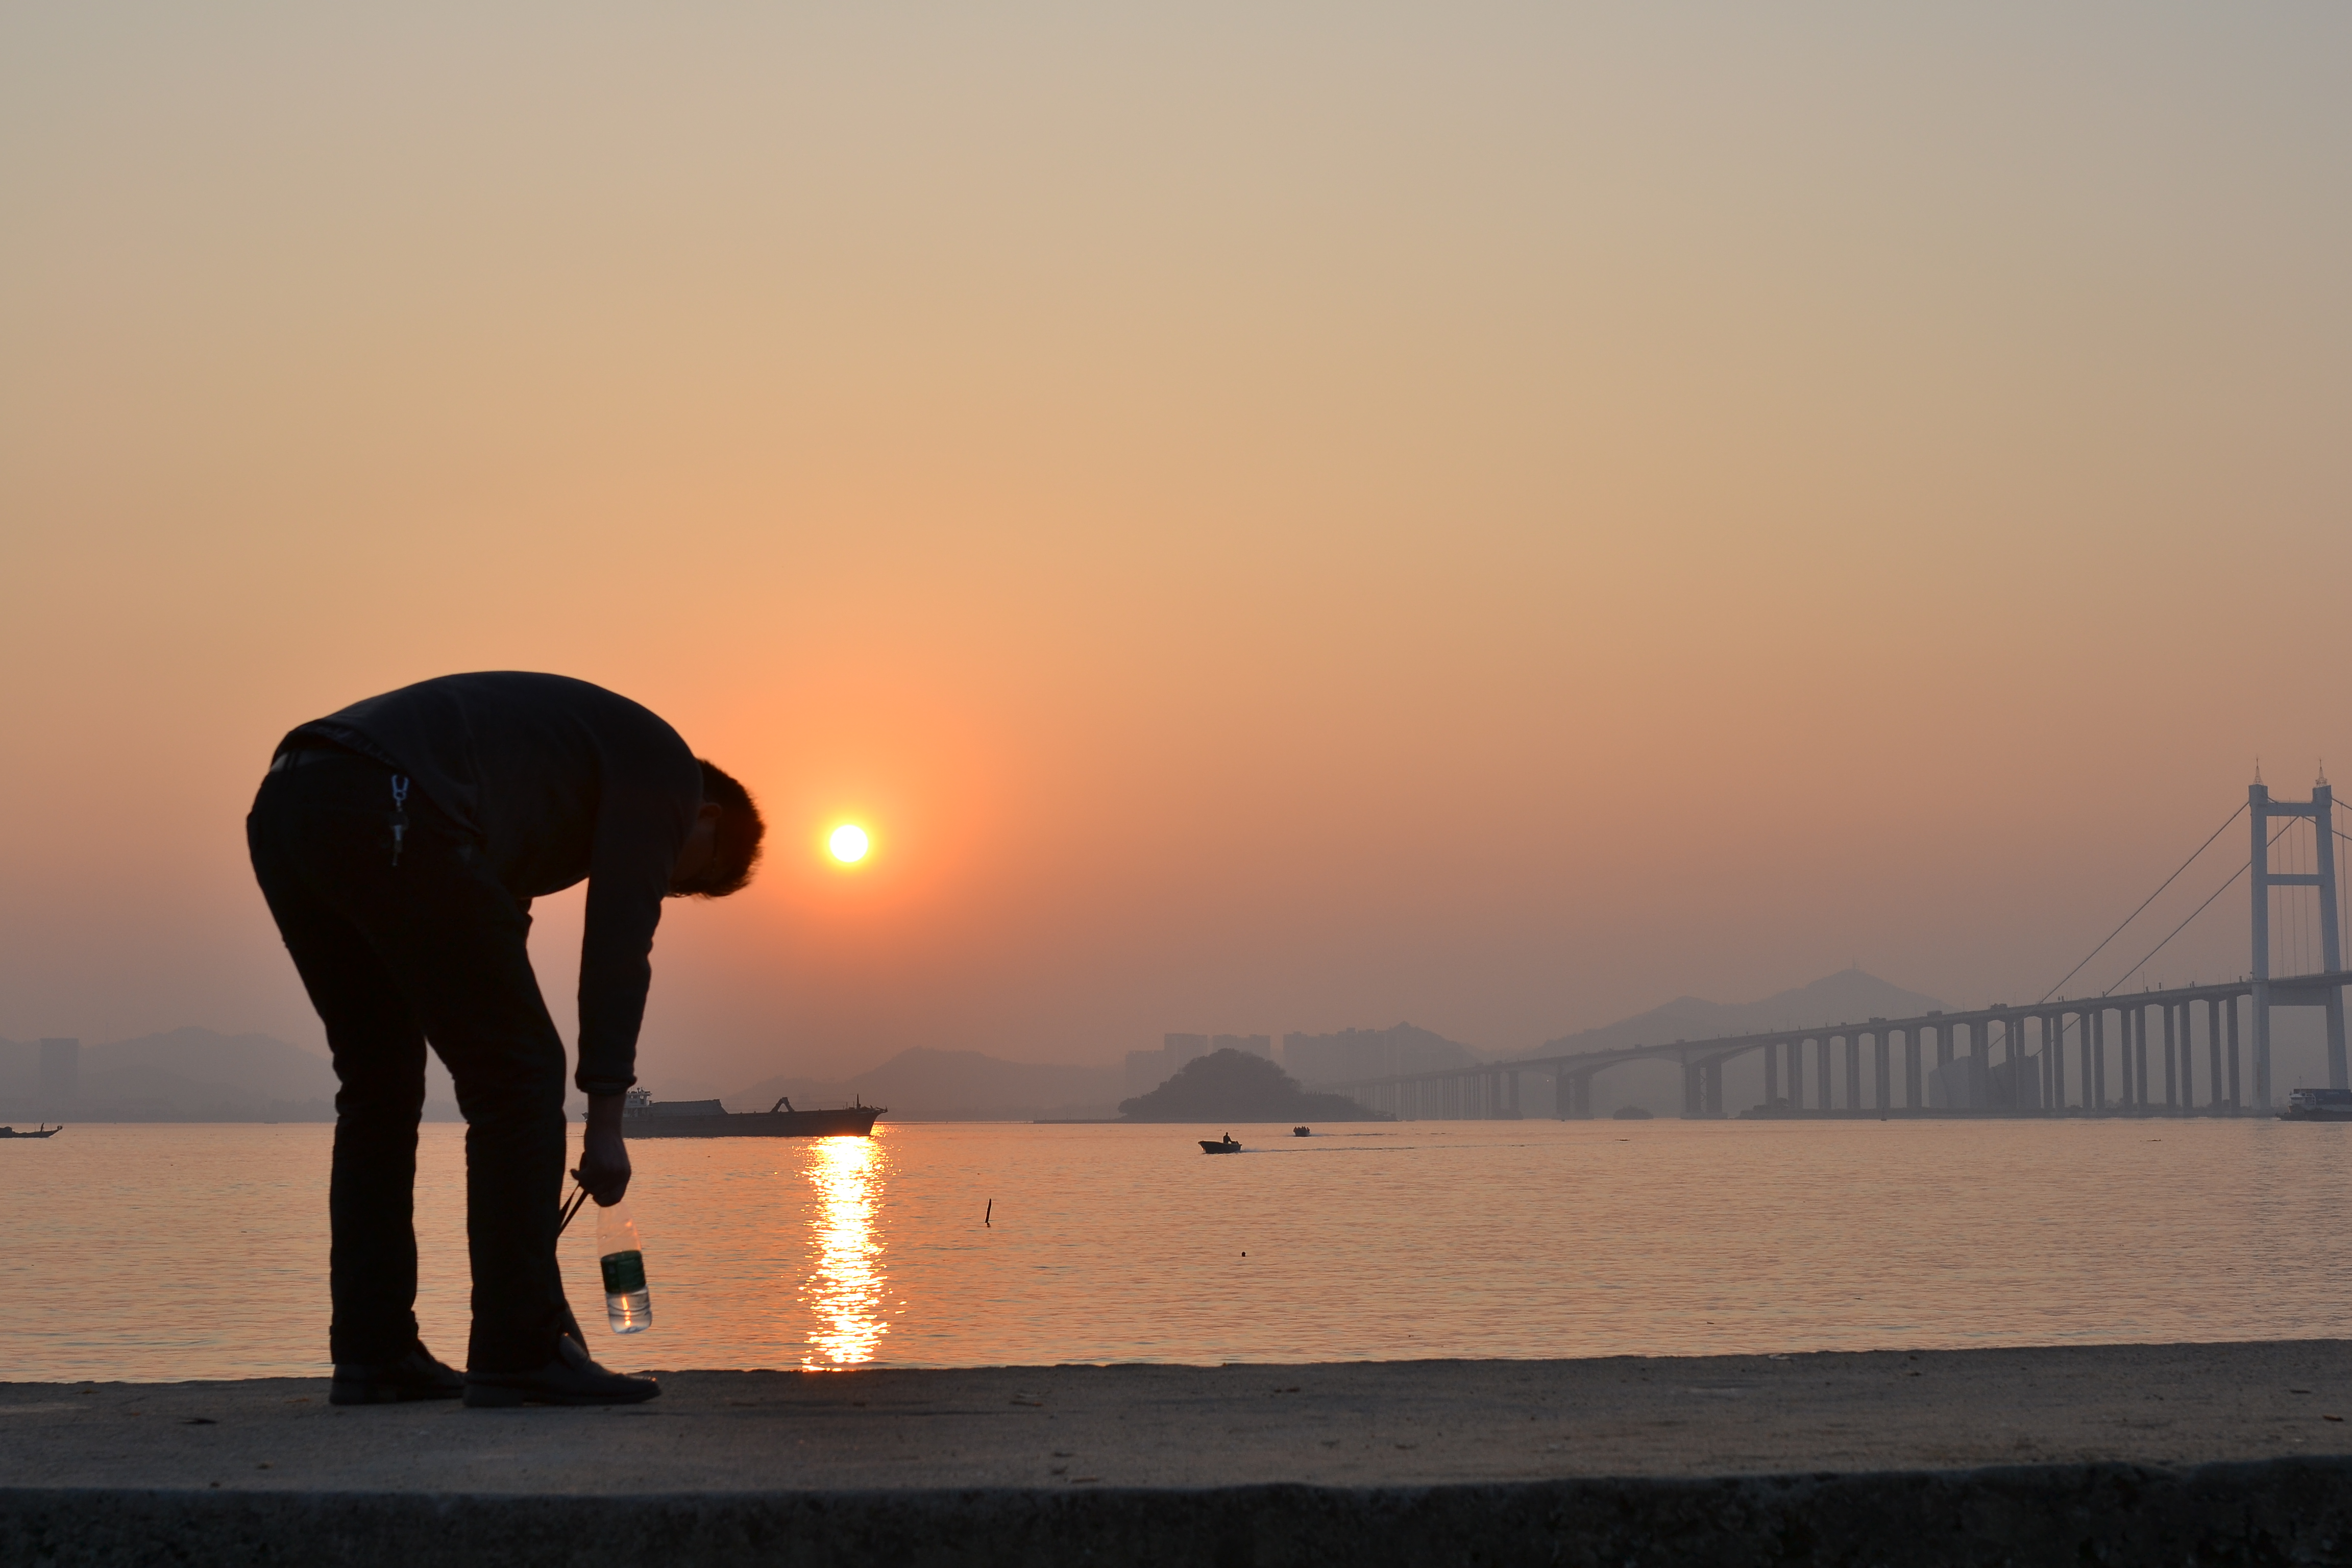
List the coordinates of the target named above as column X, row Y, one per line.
column 2290, row 1510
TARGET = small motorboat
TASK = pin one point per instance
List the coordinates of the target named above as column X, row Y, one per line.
column 47, row 1131
column 1301, row 1132
column 1224, row 1145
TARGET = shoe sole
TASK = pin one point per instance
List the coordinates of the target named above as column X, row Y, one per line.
column 505, row 1396
column 379, row 1394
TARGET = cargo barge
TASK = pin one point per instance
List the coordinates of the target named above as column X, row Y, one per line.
column 643, row 1116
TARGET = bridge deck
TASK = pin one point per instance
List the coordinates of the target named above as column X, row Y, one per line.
column 2284, row 989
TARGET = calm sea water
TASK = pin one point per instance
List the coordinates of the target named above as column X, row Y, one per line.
column 166, row 1252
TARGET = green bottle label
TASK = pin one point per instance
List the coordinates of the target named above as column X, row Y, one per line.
column 623, row 1272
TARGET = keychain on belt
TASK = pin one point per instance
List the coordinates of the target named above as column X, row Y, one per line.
column 399, row 813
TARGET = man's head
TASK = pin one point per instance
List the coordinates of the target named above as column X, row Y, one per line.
column 724, row 846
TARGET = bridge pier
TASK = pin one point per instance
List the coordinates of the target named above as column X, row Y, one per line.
column 2099, row 1020
column 2111, row 1093
column 2172, row 1088
column 1882, row 1065
column 2213, row 1051
column 2094, row 1079
column 2234, row 1102
column 1772, row 1071
column 2128, row 1046
column 2188, row 1058
column 1572, row 1096
column 2123, row 1059
column 2059, row 1066
column 2011, row 1057
column 2134, row 1052
column 2085, row 1070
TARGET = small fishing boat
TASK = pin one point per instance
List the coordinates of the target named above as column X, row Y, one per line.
column 47, row 1131
column 1301, row 1132
column 642, row 1116
column 1224, row 1145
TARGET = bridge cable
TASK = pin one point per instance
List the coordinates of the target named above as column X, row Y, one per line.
column 2200, row 909
column 2143, row 903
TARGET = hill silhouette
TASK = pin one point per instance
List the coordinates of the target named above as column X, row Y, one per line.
column 1235, row 1086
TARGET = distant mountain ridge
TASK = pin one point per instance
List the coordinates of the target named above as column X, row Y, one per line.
column 922, row 1084
column 188, row 1074
column 182, row 1075
column 193, row 1074
column 1849, row 996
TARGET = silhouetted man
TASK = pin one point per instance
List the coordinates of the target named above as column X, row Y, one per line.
column 399, row 844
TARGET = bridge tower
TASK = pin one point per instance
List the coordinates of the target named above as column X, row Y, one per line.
column 2327, row 994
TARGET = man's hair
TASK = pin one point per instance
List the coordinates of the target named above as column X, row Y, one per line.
column 738, row 839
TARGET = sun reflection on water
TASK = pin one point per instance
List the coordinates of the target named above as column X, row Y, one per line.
column 844, row 1291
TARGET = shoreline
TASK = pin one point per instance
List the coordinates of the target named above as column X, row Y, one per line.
column 1540, row 1461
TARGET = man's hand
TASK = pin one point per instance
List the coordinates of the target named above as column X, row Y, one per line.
column 604, row 1156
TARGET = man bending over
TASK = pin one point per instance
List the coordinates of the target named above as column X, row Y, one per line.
column 399, row 844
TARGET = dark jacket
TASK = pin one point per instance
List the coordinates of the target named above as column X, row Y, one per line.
column 563, row 780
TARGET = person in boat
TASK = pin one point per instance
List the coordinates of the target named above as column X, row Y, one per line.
column 399, row 844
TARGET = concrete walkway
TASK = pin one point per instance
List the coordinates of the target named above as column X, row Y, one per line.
column 175, row 1464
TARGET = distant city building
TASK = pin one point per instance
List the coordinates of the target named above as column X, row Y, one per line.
column 2017, row 1084
column 1961, row 1084
column 60, row 1074
column 1355, row 1053
column 1254, row 1045
column 1967, row 1083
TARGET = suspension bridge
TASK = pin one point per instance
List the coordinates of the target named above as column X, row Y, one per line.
column 2187, row 1050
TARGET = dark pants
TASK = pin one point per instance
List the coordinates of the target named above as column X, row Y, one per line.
column 395, row 955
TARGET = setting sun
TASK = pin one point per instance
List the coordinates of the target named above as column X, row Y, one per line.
column 849, row 842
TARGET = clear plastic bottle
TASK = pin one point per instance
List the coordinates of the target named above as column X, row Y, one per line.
column 628, row 1304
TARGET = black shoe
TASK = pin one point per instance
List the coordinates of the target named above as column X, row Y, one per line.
column 416, row 1375
column 570, row 1379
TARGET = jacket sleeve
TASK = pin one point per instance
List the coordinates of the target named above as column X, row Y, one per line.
column 642, row 820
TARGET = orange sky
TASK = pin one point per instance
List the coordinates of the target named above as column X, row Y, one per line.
column 1279, row 518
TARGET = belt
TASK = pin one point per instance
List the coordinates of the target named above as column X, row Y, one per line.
column 308, row 750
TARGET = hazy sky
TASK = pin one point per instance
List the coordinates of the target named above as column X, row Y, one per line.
column 1276, row 516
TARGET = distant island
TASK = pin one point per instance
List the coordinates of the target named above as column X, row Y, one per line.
column 1235, row 1086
